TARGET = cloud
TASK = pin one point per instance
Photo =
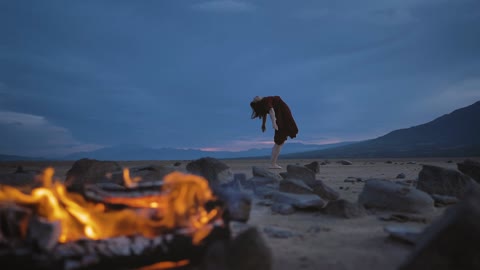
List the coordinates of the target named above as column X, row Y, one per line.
column 224, row 6
column 34, row 135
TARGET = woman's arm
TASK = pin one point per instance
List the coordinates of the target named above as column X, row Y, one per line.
column 273, row 118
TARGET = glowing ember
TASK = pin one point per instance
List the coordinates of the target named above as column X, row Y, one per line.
column 179, row 205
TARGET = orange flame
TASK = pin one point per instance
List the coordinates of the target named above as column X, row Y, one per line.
column 179, row 205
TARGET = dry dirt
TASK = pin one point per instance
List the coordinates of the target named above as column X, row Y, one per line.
column 335, row 243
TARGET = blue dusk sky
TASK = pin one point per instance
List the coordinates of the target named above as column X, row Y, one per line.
column 82, row 75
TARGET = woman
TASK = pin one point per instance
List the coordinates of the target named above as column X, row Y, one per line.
column 282, row 121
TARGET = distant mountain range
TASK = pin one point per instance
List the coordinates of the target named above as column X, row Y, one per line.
column 131, row 152
column 14, row 158
column 453, row 134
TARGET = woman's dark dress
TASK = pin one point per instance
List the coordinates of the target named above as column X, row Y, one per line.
column 285, row 122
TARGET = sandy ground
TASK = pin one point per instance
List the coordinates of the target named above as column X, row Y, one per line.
column 334, row 243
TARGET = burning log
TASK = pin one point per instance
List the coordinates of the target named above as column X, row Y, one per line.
column 123, row 252
column 54, row 229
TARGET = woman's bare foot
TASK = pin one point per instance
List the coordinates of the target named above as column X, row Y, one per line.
column 275, row 166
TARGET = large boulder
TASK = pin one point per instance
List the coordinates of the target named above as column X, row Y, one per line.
column 148, row 173
column 452, row 241
column 345, row 209
column 442, row 181
column 214, row 170
column 238, row 204
column 471, row 168
column 301, row 172
column 383, row 194
column 91, row 171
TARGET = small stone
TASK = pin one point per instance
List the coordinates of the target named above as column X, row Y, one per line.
column 345, row 162
column 401, row 176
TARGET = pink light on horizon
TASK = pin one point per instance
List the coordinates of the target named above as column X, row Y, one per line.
column 243, row 145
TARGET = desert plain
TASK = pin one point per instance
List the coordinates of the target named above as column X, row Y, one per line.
column 315, row 240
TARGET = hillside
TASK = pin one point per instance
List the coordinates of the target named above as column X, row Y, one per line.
column 453, row 134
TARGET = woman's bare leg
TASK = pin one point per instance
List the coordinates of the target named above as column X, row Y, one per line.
column 275, row 153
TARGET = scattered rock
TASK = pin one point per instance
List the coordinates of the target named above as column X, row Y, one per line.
column 452, row 241
column 284, row 175
column 176, row 164
column 265, row 202
column 296, row 186
column 314, row 166
column 442, row 181
column 214, row 170
column 401, row 176
column 302, row 173
column 323, row 163
column 449, row 161
column 260, row 172
column 411, row 162
column 301, row 201
column 388, row 162
column 405, row 234
column 90, row 171
column 249, row 251
column 383, row 194
column 324, row 191
column 282, row 208
column 345, row 209
column 443, row 200
column 345, row 162
column 350, row 180
column 470, row 168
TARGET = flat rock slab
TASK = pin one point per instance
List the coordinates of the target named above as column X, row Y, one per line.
column 452, row 241
column 313, row 166
column 442, row 181
column 296, row 186
column 261, row 172
column 301, row 201
column 301, row 173
column 383, row 194
column 324, row 191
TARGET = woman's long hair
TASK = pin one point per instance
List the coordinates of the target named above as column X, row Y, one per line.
column 258, row 110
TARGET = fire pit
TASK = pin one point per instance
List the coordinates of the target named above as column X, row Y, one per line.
column 166, row 224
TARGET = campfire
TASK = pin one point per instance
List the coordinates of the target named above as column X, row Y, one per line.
column 158, row 225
